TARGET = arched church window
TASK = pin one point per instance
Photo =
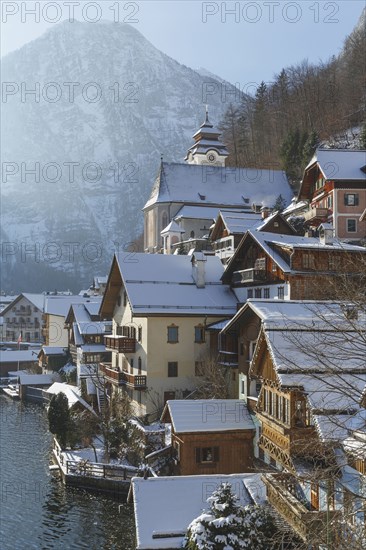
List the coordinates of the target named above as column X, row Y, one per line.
column 192, row 234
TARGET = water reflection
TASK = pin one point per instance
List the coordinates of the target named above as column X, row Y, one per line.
column 37, row 510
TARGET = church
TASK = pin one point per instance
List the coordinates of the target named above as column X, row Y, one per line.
column 186, row 197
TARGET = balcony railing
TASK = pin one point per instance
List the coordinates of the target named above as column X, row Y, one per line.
column 122, row 344
column 249, row 276
column 284, row 496
column 228, row 358
column 135, row 381
column 316, row 215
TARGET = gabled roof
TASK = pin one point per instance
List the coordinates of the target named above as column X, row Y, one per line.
column 60, row 305
column 164, row 284
column 209, row 213
column 208, row 415
column 181, row 500
column 202, row 185
column 270, row 241
column 340, row 164
column 300, row 315
column 343, row 165
column 172, row 227
column 36, row 299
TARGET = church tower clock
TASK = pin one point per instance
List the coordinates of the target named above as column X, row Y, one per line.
column 207, row 148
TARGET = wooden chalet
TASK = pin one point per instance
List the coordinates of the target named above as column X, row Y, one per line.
column 312, row 420
column 269, row 265
column 231, row 225
column 210, row 436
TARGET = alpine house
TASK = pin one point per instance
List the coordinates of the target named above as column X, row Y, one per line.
column 161, row 306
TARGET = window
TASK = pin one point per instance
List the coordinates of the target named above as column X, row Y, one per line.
column 139, row 363
column 125, row 298
column 172, row 334
column 172, row 369
column 199, row 334
column 192, row 234
column 333, row 262
column 281, row 292
column 308, row 261
column 266, row 293
column 206, row 455
column 250, row 293
column 139, row 334
column 131, row 366
column 351, row 226
column 351, row 199
column 330, row 201
column 198, row 368
column 258, row 293
column 119, row 300
column 36, row 335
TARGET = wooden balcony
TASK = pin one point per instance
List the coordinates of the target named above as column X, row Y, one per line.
column 284, row 495
column 112, row 374
column 316, row 215
column 228, row 358
column 122, row 344
column 249, row 276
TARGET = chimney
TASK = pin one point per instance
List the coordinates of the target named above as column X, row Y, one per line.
column 326, row 233
column 198, row 269
column 265, row 211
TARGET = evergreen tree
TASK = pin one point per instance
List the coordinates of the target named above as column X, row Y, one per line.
column 229, row 525
column 309, row 148
column 59, row 417
column 280, row 204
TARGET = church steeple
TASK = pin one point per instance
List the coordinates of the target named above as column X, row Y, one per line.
column 207, row 147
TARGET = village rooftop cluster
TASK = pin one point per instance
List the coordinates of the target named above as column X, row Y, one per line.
column 239, row 337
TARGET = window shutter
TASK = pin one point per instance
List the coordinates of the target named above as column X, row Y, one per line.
column 356, row 200
column 198, row 455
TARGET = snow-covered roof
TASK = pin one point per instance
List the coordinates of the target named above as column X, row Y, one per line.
column 14, row 356
column 209, row 415
column 159, row 283
column 36, row 299
column 216, row 185
column 197, row 212
column 38, row 379
column 53, row 350
column 182, row 499
column 72, row 393
column 269, row 241
column 172, row 227
column 340, row 164
column 339, row 427
column 318, row 351
column 240, row 222
column 301, row 314
column 60, row 305
column 328, row 392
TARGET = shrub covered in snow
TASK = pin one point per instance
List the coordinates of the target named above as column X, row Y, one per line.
column 229, row 526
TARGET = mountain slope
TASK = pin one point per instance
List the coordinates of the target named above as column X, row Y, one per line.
column 159, row 106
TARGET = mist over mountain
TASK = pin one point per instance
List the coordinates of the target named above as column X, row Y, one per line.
column 81, row 152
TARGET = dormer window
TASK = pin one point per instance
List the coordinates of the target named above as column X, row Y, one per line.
column 202, row 197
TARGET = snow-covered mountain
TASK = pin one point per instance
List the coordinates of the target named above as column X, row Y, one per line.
column 107, row 105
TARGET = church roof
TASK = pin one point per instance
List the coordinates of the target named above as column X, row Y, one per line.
column 207, row 138
column 205, row 185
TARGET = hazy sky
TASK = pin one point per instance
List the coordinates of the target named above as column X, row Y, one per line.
column 242, row 42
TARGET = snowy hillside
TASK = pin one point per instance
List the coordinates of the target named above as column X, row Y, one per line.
column 105, row 96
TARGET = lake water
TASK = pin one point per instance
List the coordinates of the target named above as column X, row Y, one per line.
column 37, row 510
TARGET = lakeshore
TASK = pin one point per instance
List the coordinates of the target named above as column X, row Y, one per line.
column 38, row 511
